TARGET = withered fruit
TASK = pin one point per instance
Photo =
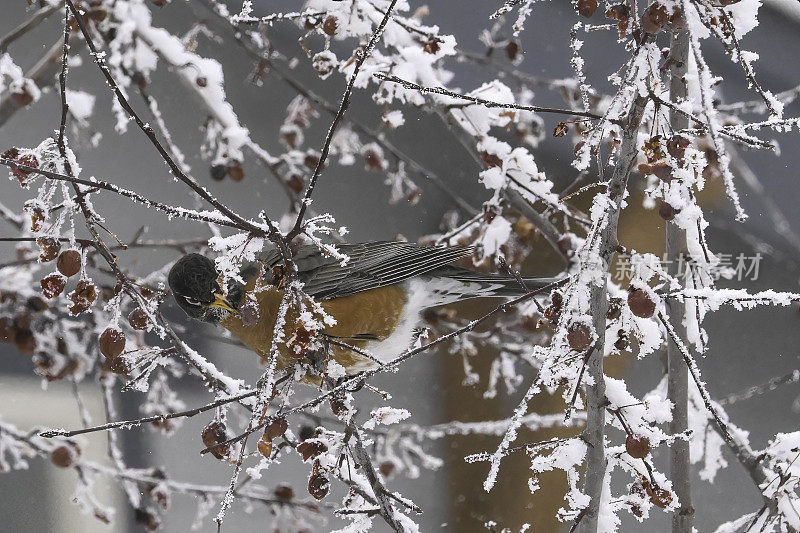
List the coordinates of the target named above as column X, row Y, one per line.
column 666, row 211
column 311, row 448
column 641, row 304
column 215, row 433
column 64, row 455
column 82, row 297
column 318, row 486
column 112, row 342
column 235, row 171
column 637, row 446
column 7, row 329
column 654, row 18
column 218, row 172
column 53, row 285
column 137, row 319
column 265, row 446
column 330, row 25
column 579, row 337
column 276, row 429
column 586, row 7
column 284, row 492
column 69, row 262
column 49, row 248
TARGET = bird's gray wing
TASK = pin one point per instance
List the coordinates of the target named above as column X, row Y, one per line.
column 371, row 265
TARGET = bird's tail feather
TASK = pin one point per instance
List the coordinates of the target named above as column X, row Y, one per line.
column 455, row 284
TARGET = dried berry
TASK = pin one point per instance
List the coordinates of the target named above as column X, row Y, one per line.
column 311, row 448
column 619, row 11
column 296, row 183
column 621, row 343
column 661, row 497
column 677, row 145
column 276, row 429
column 306, row 432
column 201, row 81
column 145, row 518
column 586, row 7
column 119, row 365
column 36, row 304
column 579, row 337
column 491, row 160
column 677, row 20
column 614, row 310
column 49, row 248
column 512, row 48
column 318, row 486
column 215, row 433
column 637, row 446
column 249, row 312
column 218, row 172
column 561, row 129
column 311, row 161
column 235, row 171
column 666, row 211
column 284, row 492
column 25, row 341
column 137, row 319
column 338, row 406
column 373, row 161
column 7, row 329
column 662, row 171
column 43, row 362
column 82, row 297
column 23, row 319
column 112, row 342
column 554, row 310
column 330, row 25
column 69, row 262
column 654, row 18
column 22, row 96
column 324, row 62
column 28, row 160
column 387, row 468
column 641, row 304
column 64, row 456
column 265, row 447
column 97, row 15
column 431, row 46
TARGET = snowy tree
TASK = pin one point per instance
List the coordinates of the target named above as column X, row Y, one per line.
column 658, row 141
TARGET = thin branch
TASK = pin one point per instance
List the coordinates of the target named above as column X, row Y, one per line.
column 39, row 16
column 480, row 101
column 388, row 511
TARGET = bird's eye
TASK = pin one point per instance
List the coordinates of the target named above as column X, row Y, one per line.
column 191, row 301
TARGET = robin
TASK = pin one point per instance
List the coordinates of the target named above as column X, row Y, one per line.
column 376, row 297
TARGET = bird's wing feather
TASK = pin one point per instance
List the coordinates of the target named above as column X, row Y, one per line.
column 371, row 265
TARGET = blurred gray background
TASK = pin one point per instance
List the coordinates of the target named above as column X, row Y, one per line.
column 747, row 348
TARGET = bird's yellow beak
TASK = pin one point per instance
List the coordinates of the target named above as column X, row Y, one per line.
column 220, row 301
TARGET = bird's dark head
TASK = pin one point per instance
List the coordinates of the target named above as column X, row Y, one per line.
column 193, row 281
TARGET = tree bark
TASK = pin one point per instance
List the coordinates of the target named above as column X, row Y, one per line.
column 677, row 372
column 596, row 391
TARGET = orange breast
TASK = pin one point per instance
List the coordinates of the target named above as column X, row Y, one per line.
column 374, row 312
